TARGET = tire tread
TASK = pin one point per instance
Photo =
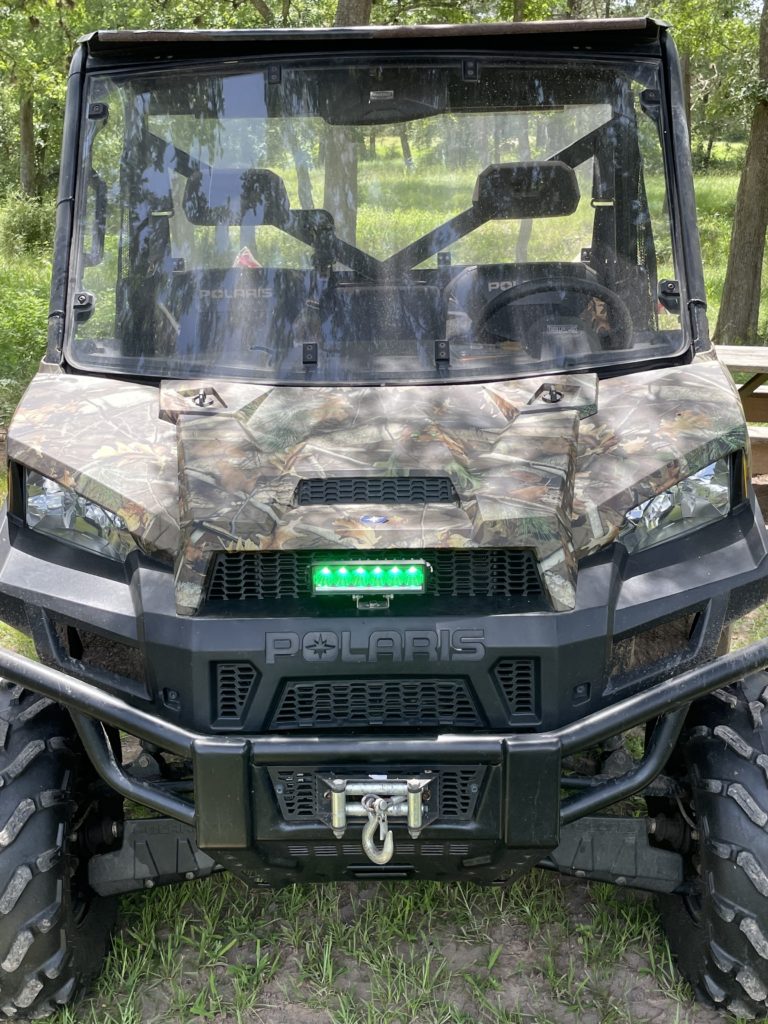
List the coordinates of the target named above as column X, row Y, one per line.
column 724, row 953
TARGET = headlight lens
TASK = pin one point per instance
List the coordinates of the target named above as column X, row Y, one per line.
column 60, row 512
column 701, row 498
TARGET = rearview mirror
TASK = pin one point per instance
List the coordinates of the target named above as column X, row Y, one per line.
column 536, row 188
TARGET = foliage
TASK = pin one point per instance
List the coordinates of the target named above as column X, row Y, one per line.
column 720, row 42
column 26, row 224
column 24, row 283
column 38, row 36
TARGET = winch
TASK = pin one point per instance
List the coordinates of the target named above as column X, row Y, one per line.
column 379, row 800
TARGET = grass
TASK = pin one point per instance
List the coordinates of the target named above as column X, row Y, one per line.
column 545, row 949
column 24, row 285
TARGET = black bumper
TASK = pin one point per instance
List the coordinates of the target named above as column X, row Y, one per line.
column 517, row 820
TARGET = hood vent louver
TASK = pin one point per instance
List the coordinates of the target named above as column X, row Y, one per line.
column 376, row 490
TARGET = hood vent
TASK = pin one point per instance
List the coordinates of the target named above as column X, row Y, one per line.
column 375, row 490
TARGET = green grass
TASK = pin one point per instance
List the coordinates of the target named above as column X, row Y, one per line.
column 24, row 285
column 545, row 949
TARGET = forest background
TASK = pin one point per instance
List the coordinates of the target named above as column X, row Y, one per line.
column 725, row 64
column 547, row 949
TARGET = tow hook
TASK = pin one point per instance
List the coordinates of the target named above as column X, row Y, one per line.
column 378, row 807
column 379, row 801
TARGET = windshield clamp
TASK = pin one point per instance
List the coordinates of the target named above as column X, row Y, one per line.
column 442, row 351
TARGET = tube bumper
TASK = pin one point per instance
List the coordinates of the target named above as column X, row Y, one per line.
column 518, row 817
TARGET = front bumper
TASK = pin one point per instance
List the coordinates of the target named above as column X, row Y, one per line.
column 518, row 817
column 709, row 578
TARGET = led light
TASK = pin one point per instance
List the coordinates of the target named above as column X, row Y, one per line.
column 383, row 577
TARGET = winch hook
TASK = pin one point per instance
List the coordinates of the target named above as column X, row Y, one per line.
column 377, row 820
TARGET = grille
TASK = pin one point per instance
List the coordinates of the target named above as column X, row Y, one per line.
column 462, row 572
column 295, row 793
column 301, row 795
column 516, row 678
column 234, row 682
column 459, row 788
column 404, row 849
column 396, row 703
column 359, row 490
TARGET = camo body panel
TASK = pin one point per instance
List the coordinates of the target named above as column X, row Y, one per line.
column 105, row 439
column 191, row 479
column 652, row 429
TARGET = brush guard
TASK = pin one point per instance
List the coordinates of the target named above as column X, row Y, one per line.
column 529, row 811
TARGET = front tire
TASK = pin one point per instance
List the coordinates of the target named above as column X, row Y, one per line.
column 53, row 930
column 718, row 931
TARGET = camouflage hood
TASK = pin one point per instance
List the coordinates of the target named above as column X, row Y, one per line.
column 548, row 464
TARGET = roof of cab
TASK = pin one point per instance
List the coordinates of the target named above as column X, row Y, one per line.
column 601, row 34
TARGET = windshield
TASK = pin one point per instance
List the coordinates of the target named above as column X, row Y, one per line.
column 373, row 222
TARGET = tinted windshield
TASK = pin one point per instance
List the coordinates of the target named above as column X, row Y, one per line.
column 372, row 222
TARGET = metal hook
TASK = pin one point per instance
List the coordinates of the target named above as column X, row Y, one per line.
column 383, row 855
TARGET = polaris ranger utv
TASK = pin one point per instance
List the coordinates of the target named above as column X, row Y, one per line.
column 379, row 477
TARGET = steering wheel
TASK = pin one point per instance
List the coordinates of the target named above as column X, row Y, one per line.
column 619, row 316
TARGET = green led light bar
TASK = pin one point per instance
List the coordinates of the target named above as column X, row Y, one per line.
column 368, row 577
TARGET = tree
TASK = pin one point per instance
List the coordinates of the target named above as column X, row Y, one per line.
column 353, row 12
column 740, row 306
column 342, row 145
column 718, row 43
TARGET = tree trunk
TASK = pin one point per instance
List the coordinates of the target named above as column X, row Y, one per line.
column 340, row 193
column 740, row 306
column 27, row 176
column 526, row 226
column 341, row 144
column 685, row 70
column 301, row 163
column 353, row 12
column 406, row 148
column 708, row 150
column 264, row 12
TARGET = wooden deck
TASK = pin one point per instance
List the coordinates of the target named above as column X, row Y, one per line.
column 752, row 359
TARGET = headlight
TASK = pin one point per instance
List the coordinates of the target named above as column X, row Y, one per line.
column 699, row 499
column 60, row 512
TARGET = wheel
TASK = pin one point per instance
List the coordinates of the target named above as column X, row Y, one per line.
column 54, row 931
column 620, row 326
column 718, row 930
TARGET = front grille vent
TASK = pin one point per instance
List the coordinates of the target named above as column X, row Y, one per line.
column 458, row 792
column 295, row 793
column 235, row 682
column 516, row 678
column 393, row 702
column 456, row 572
column 367, row 490
column 302, row 796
